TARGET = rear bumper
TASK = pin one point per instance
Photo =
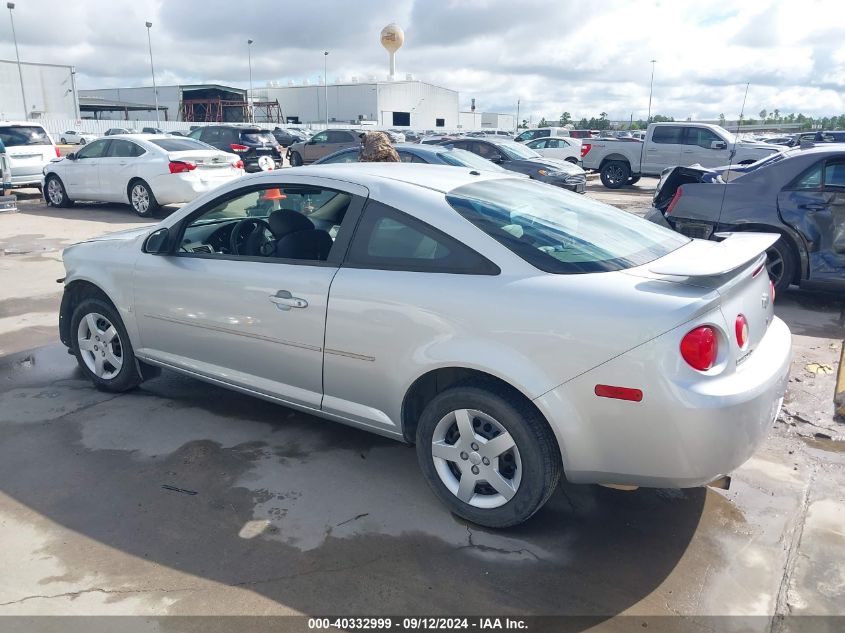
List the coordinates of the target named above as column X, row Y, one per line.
column 683, row 433
column 176, row 188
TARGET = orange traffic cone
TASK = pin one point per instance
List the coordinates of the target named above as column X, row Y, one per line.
column 273, row 194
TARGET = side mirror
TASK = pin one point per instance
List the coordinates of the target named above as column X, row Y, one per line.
column 71, row 156
column 718, row 145
column 158, row 242
column 498, row 160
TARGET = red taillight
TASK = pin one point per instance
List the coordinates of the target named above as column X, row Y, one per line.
column 741, row 327
column 238, row 148
column 180, row 167
column 585, row 147
column 699, row 348
column 238, row 164
column 619, row 393
column 58, row 153
column 772, row 288
column 678, row 193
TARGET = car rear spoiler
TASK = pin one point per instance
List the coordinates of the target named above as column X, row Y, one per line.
column 702, row 258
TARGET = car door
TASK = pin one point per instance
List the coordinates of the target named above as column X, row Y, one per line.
column 704, row 147
column 254, row 319
column 117, row 167
column 814, row 205
column 81, row 176
column 664, row 149
column 382, row 309
column 317, row 147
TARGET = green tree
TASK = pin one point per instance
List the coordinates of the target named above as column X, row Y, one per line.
column 524, row 124
column 763, row 114
column 722, row 120
column 565, row 118
column 659, row 118
column 543, row 123
column 776, row 115
column 583, row 124
column 634, row 126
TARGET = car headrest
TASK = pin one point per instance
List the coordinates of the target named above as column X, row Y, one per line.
column 310, row 244
column 285, row 221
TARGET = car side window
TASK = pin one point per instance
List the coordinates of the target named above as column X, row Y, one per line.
column 338, row 137
column 322, row 137
column 196, row 134
column 486, row 150
column 124, row 149
column 93, row 150
column 834, row 175
column 407, row 157
column 278, row 221
column 668, row 135
column 700, row 136
column 210, row 135
column 344, row 157
column 810, row 179
column 387, row 239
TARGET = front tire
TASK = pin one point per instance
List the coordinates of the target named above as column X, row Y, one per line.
column 487, row 455
column 141, row 198
column 102, row 348
column 82, row 141
column 56, row 193
column 615, row 174
column 64, row 141
column 295, row 159
column 781, row 265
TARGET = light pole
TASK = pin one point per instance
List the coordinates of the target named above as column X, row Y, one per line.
column 10, row 6
column 153, row 71
column 326, row 83
column 650, row 87
column 517, row 116
column 249, row 94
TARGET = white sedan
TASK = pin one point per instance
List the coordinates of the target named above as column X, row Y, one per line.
column 72, row 137
column 144, row 170
column 562, row 147
column 513, row 330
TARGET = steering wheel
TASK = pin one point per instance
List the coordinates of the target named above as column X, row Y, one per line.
column 255, row 238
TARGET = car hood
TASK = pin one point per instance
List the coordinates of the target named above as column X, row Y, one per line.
column 548, row 163
column 125, row 235
column 758, row 145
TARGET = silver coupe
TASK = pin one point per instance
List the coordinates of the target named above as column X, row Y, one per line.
column 514, row 331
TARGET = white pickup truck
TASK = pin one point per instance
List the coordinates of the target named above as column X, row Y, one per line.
column 621, row 162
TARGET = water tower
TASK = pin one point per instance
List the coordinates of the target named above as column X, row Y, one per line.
column 392, row 38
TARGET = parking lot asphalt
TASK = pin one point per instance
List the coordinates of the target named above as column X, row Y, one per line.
column 270, row 511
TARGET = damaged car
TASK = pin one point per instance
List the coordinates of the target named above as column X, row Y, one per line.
column 799, row 194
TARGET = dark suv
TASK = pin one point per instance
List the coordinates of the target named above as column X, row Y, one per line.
column 257, row 148
column 286, row 138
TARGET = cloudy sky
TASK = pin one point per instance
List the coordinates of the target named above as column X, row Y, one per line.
column 581, row 57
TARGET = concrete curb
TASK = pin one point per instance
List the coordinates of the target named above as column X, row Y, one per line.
column 839, row 393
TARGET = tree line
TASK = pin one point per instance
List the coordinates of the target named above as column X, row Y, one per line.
column 765, row 117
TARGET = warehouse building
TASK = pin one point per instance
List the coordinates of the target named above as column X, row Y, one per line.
column 201, row 103
column 473, row 120
column 49, row 91
column 408, row 103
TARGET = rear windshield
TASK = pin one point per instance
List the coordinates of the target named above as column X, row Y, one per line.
column 259, row 137
column 179, row 144
column 463, row 158
column 561, row 232
column 16, row 135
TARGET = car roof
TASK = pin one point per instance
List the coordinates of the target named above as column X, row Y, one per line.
column 21, row 123
column 434, row 177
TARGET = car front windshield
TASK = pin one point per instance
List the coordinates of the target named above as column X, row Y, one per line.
column 561, row 232
column 517, row 151
column 463, row 158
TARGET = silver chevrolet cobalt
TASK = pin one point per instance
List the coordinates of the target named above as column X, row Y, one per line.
column 514, row 331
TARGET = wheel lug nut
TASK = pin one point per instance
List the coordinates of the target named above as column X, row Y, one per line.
column 464, row 455
column 475, row 470
column 485, row 461
column 474, row 446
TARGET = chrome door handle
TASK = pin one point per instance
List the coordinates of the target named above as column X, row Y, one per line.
column 285, row 301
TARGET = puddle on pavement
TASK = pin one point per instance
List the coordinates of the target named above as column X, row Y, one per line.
column 825, row 444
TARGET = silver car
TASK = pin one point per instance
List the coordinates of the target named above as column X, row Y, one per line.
column 514, row 331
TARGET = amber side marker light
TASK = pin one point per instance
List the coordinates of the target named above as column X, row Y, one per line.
column 619, row 393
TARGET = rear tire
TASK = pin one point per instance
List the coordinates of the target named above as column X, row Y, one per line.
column 633, row 180
column 781, row 265
column 64, row 141
column 102, row 348
column 571, row 159
column 295, row 159
column 56, row 193
column 615, row 174
column 82, row 141
column 506, row 482
column 141, row 199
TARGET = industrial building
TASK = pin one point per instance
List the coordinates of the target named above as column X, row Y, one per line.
column 48, row 89
column 473, row 120
column 386, row 103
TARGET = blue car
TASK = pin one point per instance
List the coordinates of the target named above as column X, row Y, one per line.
column 415, row 153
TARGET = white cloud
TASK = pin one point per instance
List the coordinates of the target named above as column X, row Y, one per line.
column 583, row 58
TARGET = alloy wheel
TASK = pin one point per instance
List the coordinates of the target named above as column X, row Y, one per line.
column 774, row 265
column 476, row 458
column 140, row 199
column 615, row 174
column 55, row 192
column 99, row 346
